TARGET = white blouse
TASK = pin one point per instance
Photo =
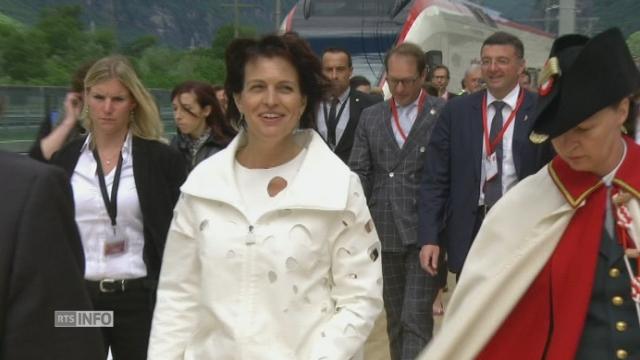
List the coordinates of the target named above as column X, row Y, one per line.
column 94, row 223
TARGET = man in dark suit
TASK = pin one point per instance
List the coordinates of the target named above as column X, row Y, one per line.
column 388, row 154
column 41, row 265
column 439, row 77
column 479, row 149
column 338, row 115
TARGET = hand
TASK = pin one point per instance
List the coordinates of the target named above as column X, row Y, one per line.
column 429, row 255
column 72, row 107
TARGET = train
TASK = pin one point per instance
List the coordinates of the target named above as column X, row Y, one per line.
column 450, row 32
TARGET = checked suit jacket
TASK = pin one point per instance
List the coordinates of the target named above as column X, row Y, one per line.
column 391, row 175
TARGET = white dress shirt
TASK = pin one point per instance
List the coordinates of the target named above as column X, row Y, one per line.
column 343, row 121
column 94, row 223
column 509, row 176
column 407, row 117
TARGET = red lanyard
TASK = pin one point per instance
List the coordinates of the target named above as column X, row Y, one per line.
column 394, row 112
column 491, row 146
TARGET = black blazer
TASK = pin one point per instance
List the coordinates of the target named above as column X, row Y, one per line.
column 450, row 187
column 159, row 171
column 358, row 101
column 41, row 265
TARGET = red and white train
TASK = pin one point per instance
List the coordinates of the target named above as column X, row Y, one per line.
column 451, row 31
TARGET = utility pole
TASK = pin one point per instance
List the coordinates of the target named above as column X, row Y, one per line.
column 567, row 17
column 236, row 10
column 278, row 15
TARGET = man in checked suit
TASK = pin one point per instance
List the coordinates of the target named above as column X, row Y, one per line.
column 338, row 115
column 388, row 154
column 478, row 151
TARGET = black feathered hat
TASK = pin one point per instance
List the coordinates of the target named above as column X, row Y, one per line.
column 581, row 77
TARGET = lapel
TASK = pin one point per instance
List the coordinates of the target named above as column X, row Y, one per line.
column 386, row 124
column 67, row 158
column 354, row 116
column 522, row 127
column 144, row 185
column 477, row 132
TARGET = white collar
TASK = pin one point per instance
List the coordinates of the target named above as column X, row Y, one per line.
column 343, row 97
column 126, row 146
column 511, row 99
column 214, row 178
column 608, row 179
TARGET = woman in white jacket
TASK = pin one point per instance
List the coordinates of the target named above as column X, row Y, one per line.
column 272, row 253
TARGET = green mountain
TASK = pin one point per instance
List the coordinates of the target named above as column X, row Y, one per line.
column 179, row 24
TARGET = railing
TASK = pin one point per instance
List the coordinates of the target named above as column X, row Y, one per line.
column 25, row 107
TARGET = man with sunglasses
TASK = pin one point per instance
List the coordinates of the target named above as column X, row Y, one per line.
column 388, row 154
column 479, row 150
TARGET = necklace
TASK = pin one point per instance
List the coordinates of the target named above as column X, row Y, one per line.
column 110, row 159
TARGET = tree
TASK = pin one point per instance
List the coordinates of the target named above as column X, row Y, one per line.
column 634, row 44
column 63, row 29
column 139, row 45
column 24, row 56
column 224, row 36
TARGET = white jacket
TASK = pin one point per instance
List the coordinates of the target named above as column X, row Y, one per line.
column 302, row 282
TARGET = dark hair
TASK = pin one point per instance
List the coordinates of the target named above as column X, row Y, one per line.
column 288, row 46
column 430, row 88
column 432, row 71
column 217, row 88
column 338, row 50
column 407, row 49
column 220, row 130
column 77, row 79
column 504, row 38
column 359, row 80
column 630, row 124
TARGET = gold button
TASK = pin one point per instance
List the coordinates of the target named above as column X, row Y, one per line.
column 621, row 326
column 621, row 354
column 614, row 273
column 617, row 300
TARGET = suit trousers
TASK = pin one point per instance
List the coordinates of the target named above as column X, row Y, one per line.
column 409, row 293
column 480, row 214
column 129, row 336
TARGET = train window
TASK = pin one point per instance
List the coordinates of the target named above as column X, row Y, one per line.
column 349, row 7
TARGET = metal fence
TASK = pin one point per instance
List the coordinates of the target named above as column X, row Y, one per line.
column 25, row 107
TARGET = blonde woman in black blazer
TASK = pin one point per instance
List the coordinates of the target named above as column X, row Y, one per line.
column 123, row 240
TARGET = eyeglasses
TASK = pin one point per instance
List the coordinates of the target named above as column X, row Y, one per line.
column 405, row 82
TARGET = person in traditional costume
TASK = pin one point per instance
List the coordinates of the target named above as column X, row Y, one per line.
column 553, row 272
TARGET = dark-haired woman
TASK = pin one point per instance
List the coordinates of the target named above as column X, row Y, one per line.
column 202, row 131
column 272, row 253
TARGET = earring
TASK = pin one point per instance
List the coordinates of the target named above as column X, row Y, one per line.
column 624, row 130
column 85, row 112
column 239, row 124
column 132, row 116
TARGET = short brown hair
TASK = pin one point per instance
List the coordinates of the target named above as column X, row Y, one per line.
column 504, row 38
column 407, row 49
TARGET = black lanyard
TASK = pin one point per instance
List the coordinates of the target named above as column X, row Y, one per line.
column 110, row 204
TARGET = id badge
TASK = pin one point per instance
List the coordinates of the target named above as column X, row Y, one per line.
column 116, row 242
column 491, row 166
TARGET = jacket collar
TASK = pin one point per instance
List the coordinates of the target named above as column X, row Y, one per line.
column 576, row 186
column 321, row 183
